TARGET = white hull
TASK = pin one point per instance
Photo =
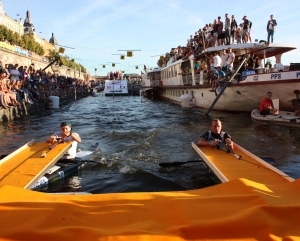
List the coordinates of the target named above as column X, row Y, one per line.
column 242, row 97
column 284, row 118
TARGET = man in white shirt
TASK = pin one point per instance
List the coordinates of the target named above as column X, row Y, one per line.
column 230, row 59
column 217, row 60
column 224, row 57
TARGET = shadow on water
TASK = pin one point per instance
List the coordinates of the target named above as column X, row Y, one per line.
column 135, row 136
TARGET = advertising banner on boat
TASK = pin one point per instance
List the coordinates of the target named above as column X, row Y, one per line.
column 116, row 87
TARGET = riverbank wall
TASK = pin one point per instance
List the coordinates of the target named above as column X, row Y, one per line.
column 18, row 112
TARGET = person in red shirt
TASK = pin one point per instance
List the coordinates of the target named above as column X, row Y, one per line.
column 266, row 106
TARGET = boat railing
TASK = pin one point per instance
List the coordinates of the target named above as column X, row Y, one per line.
column 189, row 79
column 184, row 79
column 197, row 79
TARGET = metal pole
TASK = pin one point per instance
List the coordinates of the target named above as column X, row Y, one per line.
column 225, row 86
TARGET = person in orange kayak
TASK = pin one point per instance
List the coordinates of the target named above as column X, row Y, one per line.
column 266, row 106
column 66, row 134
column 215, row 135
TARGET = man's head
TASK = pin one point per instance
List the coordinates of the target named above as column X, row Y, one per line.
column 269, row 95
column 216, row 126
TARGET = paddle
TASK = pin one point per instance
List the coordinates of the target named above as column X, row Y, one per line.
column 51, row 147
column 227, row 149
column 169, row 164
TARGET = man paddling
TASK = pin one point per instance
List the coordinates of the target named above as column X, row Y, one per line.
column 67, row 135
column 215, row 135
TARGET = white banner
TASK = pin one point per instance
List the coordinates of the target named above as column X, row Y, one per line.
column 116, row 87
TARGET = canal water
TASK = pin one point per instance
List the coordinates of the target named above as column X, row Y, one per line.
column 132, row 135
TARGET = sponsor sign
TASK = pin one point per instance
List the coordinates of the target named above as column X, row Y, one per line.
column 116, row 87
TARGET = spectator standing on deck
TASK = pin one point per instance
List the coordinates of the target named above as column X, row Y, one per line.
column 220, row 31
column 230, row 60
column 227, row 29
column 246, row 28
column 271, row 28
column 233, row 27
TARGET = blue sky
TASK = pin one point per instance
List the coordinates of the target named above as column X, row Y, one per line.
column 97, row 29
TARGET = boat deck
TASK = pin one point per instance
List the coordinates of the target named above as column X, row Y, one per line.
column 227, row 167
column 25, row 166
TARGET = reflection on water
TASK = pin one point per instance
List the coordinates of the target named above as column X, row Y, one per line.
column 134, row 136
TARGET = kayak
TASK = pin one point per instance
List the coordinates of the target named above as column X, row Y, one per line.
column 283, row 118
column 63, row 168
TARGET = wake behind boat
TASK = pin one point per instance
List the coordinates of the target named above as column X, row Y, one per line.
column 243, row 91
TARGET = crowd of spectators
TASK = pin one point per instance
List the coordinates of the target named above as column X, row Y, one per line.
column 212, row 34
column 25, row 84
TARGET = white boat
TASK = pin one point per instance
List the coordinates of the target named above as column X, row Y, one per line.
column 283, row 118
column 244, row 92
column 115, row 87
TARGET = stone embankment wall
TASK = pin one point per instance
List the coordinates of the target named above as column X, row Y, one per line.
column 14, row 113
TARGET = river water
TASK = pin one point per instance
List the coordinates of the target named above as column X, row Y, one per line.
column 134, row 134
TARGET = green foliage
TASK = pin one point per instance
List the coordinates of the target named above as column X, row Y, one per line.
column 65, row 60
column 28, row 42
column 25, row 41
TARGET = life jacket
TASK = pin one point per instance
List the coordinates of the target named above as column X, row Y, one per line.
column 211, row 138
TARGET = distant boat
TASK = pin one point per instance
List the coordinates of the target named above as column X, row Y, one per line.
column 244, row 91
column 283, row 118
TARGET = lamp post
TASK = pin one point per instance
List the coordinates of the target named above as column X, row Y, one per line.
column 19, row 22
column 41, row 40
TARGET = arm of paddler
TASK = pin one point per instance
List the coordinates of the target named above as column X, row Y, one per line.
column 75, row 137
column 204, row 142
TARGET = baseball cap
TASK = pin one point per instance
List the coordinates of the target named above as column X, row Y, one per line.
column 65, row 124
